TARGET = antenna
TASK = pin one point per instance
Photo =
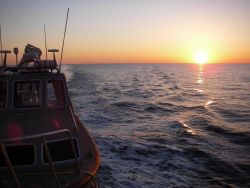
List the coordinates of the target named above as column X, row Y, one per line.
column 63, row 40
column 1, row 43
column 45, row 41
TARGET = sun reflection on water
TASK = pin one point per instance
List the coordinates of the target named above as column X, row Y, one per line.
column 208, row 103
column 188, row 128
column 200, row 79
column 199, row 90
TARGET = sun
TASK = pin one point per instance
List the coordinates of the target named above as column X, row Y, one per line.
column 201, row 57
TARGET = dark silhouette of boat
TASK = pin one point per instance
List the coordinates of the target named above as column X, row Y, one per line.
column 42, row 141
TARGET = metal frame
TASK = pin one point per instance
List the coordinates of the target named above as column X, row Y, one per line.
column 43, row 137
column 63, row 161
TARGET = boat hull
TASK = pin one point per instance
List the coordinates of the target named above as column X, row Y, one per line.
column 71, row 175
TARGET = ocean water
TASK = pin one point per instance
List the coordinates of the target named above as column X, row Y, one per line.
column 170, row 125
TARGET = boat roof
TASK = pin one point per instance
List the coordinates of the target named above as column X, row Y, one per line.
column 15, row 73
column 31, row 62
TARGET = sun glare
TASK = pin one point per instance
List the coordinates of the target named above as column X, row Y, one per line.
column 201, row 57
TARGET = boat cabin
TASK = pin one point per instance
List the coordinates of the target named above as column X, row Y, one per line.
column 40, row 136
column 29, row 91
column 34, row 104
column 42, row 141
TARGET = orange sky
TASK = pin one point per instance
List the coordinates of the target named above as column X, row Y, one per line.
column 142, row 31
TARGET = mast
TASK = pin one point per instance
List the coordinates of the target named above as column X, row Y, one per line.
column 64, row 39
column 1, row 43
column 45, row 41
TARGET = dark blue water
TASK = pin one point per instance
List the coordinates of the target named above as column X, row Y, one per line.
column 166, row 125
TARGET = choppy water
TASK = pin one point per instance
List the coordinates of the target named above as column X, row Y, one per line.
column 166, row 125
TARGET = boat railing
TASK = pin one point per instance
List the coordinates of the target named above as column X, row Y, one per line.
column 53, row 170
column 5, row 52
column 41, row 136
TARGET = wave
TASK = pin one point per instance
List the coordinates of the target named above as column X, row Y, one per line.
column 127, row 105
column 199, row 108
column 234, row 115
column 153, row 108
column 227, row 172
column 154, row 130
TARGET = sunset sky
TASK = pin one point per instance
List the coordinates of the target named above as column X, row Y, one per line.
column 131, row 31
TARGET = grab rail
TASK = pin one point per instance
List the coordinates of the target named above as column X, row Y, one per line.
column 77, row 170
column 34, row 135
column 50, row 162
column 47, row 152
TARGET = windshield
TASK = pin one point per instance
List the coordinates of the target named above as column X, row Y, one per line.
column 55, row 93
column 27, row 94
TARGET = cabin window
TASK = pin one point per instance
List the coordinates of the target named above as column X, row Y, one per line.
column 3, row 94
column 61, row 150
column 27, row 94
column 19, row 155
column 55, row 93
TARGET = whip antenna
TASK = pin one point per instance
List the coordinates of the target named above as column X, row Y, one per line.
column 64, row 39
column 45, row 41
column 1, row 43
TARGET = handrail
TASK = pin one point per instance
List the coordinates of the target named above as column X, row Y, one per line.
column 47, row 152
column 77, row 170
column 50, row 162
column 5, row 52
column 35, row 135
column 8, row 162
